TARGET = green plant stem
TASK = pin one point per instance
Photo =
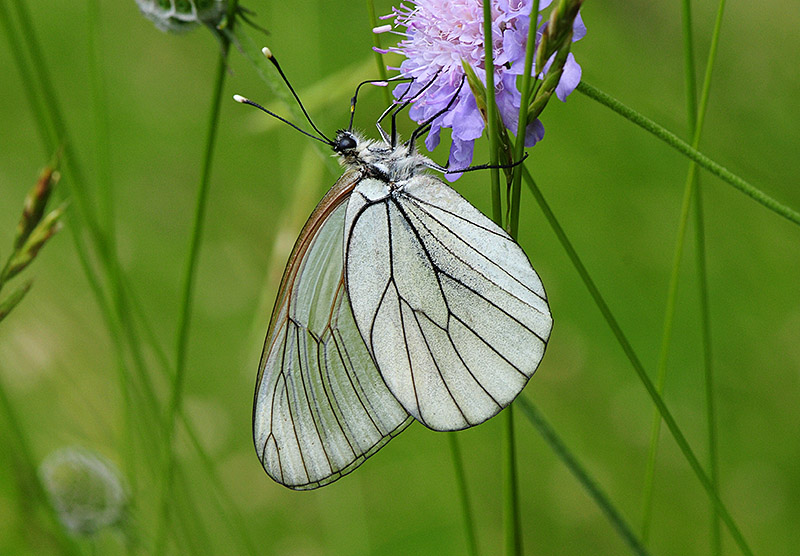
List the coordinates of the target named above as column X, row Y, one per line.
column 513, row 533
column 376, row 41
column 683, row 147
column 184, row 318
column 563, row 453
column 491, row 113
column 513, row 522
column 522, row 120
column 666, row 415
column 461, row 483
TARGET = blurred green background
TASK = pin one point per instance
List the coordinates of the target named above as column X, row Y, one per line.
column 615, row 189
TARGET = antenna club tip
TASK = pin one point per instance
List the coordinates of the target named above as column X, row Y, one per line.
column 240, row 98
column 267, row 52
column 380, row 83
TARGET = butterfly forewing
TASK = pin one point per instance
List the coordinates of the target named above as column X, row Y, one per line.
column 448, row 304
column 321, row 407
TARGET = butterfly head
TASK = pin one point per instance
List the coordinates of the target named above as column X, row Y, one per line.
column 378, row 159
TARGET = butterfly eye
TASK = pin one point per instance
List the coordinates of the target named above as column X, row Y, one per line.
column 345, row 143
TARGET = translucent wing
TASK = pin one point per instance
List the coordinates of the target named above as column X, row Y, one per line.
column 321, row 408
column 448, row 304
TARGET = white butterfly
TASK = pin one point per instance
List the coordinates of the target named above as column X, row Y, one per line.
column 400, row 300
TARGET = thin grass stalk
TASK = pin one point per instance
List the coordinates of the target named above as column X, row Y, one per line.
column 461, row 485
column 690, row 79
column 48, row 138
column 716, row 536
column 46, row 89
column 661, row 369
column 105, row 193
column 522, row 120
column 560, row 449
column 695, row 124
column 225, row 505
column 711, row 413
column 683, row 147
column 672, row 425
column 376, row 41
column 40, row 86
column 184, row 318
column 118, row 320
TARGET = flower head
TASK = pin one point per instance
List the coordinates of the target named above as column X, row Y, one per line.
column 440, row 36
column 177, row 16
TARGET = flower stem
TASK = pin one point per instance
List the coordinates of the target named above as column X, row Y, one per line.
column 683, row 147
column 513, row 523
column 491, row 113
column 513, row 534
column 666, row 415
column 458, row 466
column 522, row 120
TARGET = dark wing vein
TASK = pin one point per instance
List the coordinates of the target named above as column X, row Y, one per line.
column 467, row 245
column 438, row 271
column 436, row 363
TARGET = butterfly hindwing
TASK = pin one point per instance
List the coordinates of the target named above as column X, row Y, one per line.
column 321, row 407
column 448, row 304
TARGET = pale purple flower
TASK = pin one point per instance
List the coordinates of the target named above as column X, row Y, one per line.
column 437, row 36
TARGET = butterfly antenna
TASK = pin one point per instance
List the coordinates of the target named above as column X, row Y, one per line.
column 377, row 83
column 243, row 100
column 269, row 56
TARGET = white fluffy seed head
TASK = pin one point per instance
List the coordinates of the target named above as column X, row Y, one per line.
column 85, row 489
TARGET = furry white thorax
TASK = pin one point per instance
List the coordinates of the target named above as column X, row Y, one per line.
column 380, row 160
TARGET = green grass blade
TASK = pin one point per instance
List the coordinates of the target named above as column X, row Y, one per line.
column 563, row 453
column 683, row 147
column 666, row 415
